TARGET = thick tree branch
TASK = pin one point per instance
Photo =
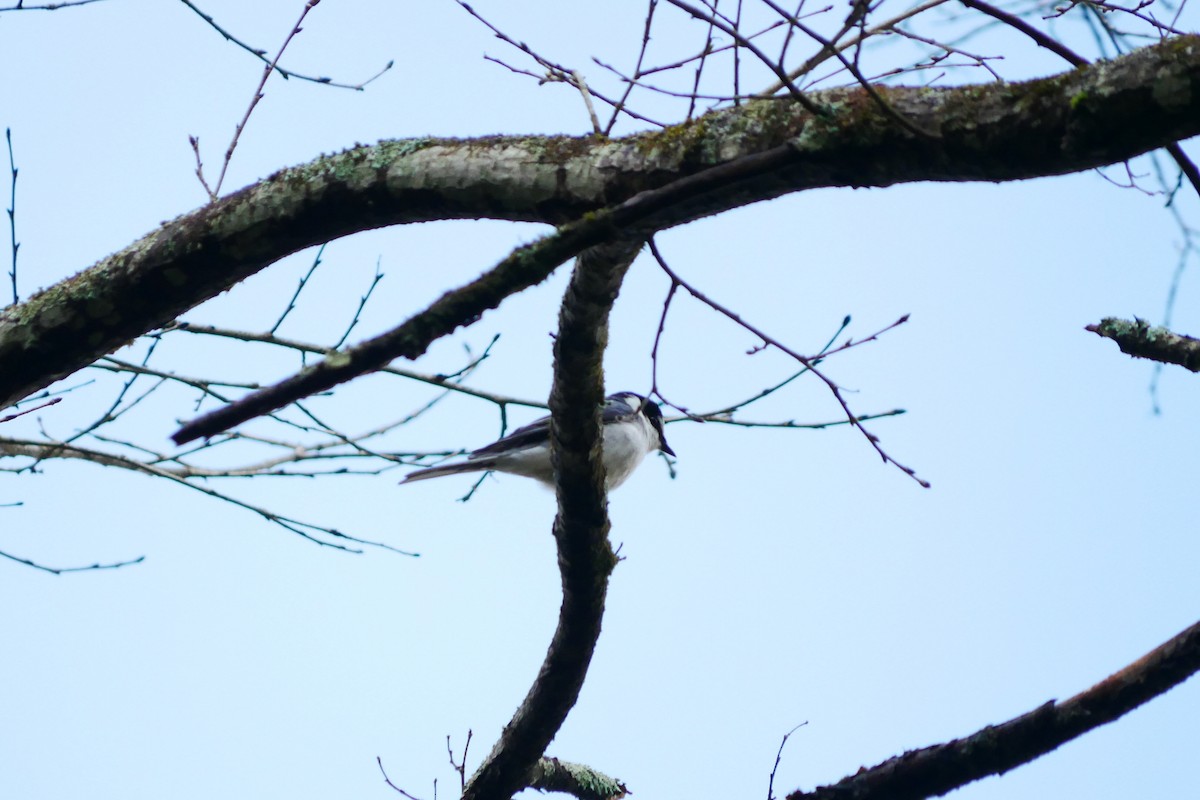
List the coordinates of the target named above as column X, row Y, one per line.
column 994, row 750
column 580, row 780
column 1092, row 116
column 585, row 557
column 1140, row 339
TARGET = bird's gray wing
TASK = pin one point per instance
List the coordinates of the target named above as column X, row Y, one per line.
column 616, row 411
column 531, row 435
column 538, row 432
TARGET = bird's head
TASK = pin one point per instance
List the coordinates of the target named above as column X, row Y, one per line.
column 647, row 408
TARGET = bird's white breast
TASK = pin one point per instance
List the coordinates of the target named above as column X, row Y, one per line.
column 625, row 445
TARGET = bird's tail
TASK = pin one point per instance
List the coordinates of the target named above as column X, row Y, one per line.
column 447, row 469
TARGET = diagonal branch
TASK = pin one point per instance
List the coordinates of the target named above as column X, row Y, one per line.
column 317, row 534
column 261, row 55
column 580, row 780
column 1185, row 164
column 524, row 267
column 994, row 750
column 585, row 557
column 732, row 31
column 1140, row 339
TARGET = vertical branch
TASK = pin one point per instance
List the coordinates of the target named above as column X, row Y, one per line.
column 637, row 70
column 585, row 557
column 12, row 216
column 737, row 59
column 708, row 48
column 215, row 191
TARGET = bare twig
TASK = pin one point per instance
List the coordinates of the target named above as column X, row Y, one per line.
column 20, row 6
column 637, row 69
column 442, row 381
column 215, row 190
column 12, row 216
column 852, row 67
column 827, row 53
column 62, row 570
column 701, row 62
column 732, row 31
column 388, row 780
column 306, row 530
column 362, row 303
column 725, row 419
column 261, row 55
column 555, row 73
column 112, row 412
column 194, row 141
column 1185, row 164
column 1188, row 250
column 725, row 415
column 291, row 305
column 778, row 758
column 16, row 414
column 806, row 361
column 460, row 767
column 947, row 49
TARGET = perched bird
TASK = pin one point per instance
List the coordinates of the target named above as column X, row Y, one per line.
column 632, row 427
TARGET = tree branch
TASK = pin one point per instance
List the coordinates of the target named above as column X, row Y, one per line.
column 333, row 538
column 585, row 557
column 1140, row 339
column 994, row 750
column 580, row 780
column 1088, row 117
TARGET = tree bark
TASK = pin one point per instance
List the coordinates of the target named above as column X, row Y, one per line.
column 1084, row 118
column 585, row 557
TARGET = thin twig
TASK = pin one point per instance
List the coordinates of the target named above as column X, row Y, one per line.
column 291, row 305
column 306, row 530
column 388, row 780
column 12, row 216
column 555, row 73
column 1186, row 165
column 62, row 570
column 460, row 768
column 827, row 53
column 362, row 303
column 20, row 6
column 852, row 67
column 807, row 361
column 16, row 414
column 261, row 55
column 258, row 95
column 439, row 380
column 778, row 758
column 637, row 69
column 742, row 41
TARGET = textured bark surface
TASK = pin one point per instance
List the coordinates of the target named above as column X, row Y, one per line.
column 1140, row 339
column 934, row 771
column 585, row 557
column 1080, row 119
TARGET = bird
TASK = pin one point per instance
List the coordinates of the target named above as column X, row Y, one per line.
column 632, row 427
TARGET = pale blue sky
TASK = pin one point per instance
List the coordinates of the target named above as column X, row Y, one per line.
column 782, row 577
